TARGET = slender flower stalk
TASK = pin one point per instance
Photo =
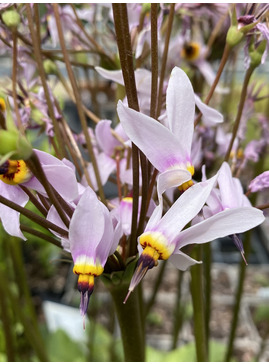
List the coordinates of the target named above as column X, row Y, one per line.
column 197, row 292
column 243, row 96
column 36, row 46
column 78, row 102
column 125, row 52
column 164, row 58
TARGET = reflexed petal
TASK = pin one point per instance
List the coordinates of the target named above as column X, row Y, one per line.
column 185, row 208
column 11, row 218
column 227, row 222
column 104, row 137
column 115, row 76
column 159, row 145
column 182, row 261
column 87, row 225
column 173, row 177
column 180, row 108
column 210, row 116
column 231, row 192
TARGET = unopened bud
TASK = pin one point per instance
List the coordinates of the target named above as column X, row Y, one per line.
column 234, row 36
column 11, row 18
column 15, row 145
column 50, row 67
column 257, row 53
column 146, row 7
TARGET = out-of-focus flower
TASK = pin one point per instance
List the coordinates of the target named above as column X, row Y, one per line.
column 228, row 196
column 112, row 148
column 260, row 182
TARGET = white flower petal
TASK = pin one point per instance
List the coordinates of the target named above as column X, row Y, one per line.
column 185, row 208
column 210, row 116
column 227, row 222
column 158, row 144
column 182, row 261
column 180, row 108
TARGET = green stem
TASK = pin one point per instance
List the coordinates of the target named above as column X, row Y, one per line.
column 197, row 292
column 208, row 289
column 242, row 273
column 30, row 332
column 178, row 312
column 130, row 321
column 243, row 96
column 238, row 297
column 7, row 325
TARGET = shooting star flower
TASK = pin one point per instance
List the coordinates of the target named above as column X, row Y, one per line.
column 163, row 237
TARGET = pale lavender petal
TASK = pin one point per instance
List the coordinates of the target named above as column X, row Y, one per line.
column 182, row 261
column 185, row 208
column 227, row 222
column 106, row 166
column 9, row 217
column 106, row 242
column 87, row 225
column 117, row 234
column 180, row 106
column 231, row 196
column 61, row 177
column 211, row 116
column 159, row 145
column 104, row 137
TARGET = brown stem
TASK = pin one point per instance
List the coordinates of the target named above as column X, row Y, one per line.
column 78, row 102
column 35, row 166
column 164, row 59
column 42, row 74
column 239, row 111
column 154, row 60
column 34, row 217
column 14, row 83
column 34, row 200
column 40, row 235
column 126, row 59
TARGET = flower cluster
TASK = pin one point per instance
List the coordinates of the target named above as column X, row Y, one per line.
column 161, row 199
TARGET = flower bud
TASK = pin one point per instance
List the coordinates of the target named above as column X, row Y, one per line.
column 15, row 145
column 146, row 7
column 234, row 36
column 257, row 53
column 11, row 18
column 50, row 67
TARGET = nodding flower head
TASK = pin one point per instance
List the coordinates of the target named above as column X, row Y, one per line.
column 190, row 51
column 14, row 172
column 87, row 270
